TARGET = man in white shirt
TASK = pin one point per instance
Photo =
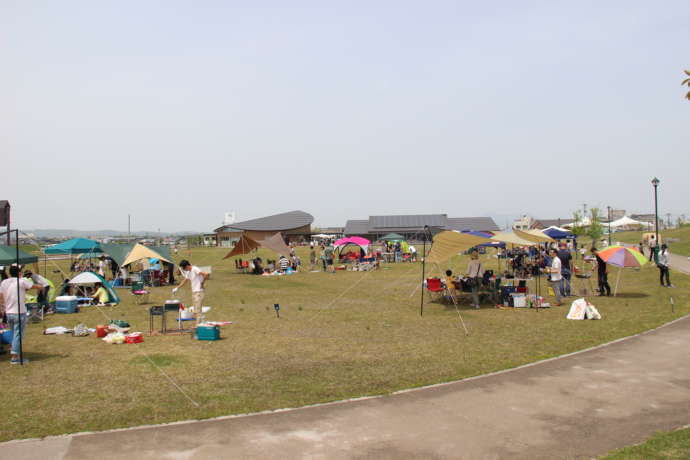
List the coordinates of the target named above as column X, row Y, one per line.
column 413, row 253
column 197, row 279
column 15, row 308
column 556, row 275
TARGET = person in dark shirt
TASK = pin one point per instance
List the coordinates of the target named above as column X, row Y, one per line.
column 566, row 271
column 602, row 275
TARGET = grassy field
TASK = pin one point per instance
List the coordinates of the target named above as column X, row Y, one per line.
column 663, row 446
column 340, row 335
column 682, row 246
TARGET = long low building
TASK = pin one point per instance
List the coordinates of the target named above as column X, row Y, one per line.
column 294, row 226
column 412, row 226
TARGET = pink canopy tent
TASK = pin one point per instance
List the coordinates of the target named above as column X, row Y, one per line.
column 356, row 240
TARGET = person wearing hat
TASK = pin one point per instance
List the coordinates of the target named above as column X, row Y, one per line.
column 662, row 263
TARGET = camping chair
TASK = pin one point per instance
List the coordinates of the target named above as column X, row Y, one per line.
column 35, row 311
column 141, row 295
column 435, row 286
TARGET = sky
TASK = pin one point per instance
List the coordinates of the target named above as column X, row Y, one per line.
column 177, row 112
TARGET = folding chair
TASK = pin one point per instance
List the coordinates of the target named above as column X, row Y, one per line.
column 140, row 294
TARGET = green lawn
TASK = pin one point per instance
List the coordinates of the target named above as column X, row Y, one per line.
column 682, row 246
column 662, row 446
column 340, row 335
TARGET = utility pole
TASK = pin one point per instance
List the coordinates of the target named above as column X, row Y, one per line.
column 668, row 219
column 609, row 210
column 584, row 211
column 129, row 227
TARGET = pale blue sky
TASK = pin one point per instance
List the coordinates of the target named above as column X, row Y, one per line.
column 176, row 112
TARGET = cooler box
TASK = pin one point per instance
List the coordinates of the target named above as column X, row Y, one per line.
column 66, row 304
column 519, row 300
column 207, row 333
column 172, row 305
column 6, row 336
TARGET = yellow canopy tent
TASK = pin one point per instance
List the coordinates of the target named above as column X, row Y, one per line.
column 139, row 251
column 534, row 235
column 449, row 243
column 512, row 238
column 247, row 244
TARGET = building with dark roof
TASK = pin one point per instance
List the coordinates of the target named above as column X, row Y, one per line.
column 412, row 226
column 541, row 224
column 294, row 225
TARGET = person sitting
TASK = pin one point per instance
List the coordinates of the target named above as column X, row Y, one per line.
column 267, row 272
column 283, row 263
column 450, row 283
column 258, row 267
column 101, row 296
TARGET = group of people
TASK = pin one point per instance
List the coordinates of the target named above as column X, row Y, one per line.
column 473, row 278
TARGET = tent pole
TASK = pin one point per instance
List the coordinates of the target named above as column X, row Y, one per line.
column 618, row 279
column 19, row 306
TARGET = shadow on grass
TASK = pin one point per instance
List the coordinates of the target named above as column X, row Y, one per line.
column 34, row 356
column 631, row 295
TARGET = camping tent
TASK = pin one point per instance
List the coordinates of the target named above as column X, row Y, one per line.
column 512, row 238
column 121, row 252
column 449, row 243
column 89, row 279
column 558, row 233
column 74, row 246
column 352, row 240
column 247, row 244
column 8, row 256
column 393, row 237
column 626, row 221
column 536, row 236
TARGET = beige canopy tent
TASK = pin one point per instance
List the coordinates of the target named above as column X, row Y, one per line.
column 249, row 242
column 449, row 243
column 139, row 251
column 536, row 236
column 512, row 238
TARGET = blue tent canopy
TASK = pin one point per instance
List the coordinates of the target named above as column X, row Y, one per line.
column 74, row 246
column 488, row 244
column 558, row 234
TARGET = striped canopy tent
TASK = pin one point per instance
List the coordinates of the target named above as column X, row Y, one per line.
column 120, row 253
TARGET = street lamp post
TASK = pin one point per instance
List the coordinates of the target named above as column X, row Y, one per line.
column 655, row 183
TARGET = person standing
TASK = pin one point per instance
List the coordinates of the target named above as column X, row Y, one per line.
column 662, row 263
column 566, row 271
column 101, row 266
column 329, row 257
column 15, row 308
column 555, row 269
column 602, row 275
column 44, row 283
column 197, row 278
column 652, row 248
column 474, row 274
column 413, row 253
column 312, row 258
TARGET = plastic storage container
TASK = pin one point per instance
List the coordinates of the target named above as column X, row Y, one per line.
column 66, row 304
column 207, row 333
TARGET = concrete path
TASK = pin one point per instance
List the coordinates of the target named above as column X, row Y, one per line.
column 577, row 406
column 679, row 263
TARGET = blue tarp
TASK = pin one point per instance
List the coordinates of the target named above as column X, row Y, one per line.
column 489, row 244
column 74, row 246
column 558, row 234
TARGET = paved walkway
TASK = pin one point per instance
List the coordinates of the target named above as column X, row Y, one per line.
column 679, row 263
column 576, row 406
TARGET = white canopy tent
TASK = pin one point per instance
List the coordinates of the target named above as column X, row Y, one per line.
column 626, row 221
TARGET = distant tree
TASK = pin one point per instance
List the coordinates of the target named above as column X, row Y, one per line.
column 686, row 82
column 595, row 229
column 578, row 227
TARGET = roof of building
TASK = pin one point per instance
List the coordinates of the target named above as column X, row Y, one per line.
column 4, row 203
column 546, row 223
column 416, row 223
column 479, row 224
column 277, row 222
column 356, row 227
column 328, row 230
column 408, row 221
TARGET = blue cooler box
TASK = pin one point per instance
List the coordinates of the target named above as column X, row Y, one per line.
column 208, row 333
column 66, row 304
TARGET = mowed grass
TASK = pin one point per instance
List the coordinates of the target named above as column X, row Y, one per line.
column 338, row 336
column 662, row 446
column 681, row 247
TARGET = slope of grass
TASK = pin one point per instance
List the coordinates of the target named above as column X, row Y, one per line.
column 338, row 336
column 682, row 246
column 666, row 446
